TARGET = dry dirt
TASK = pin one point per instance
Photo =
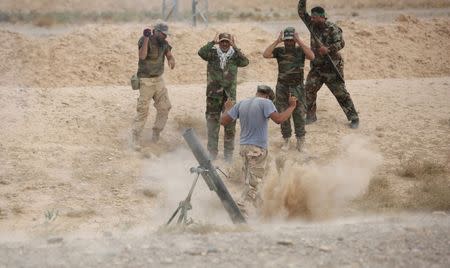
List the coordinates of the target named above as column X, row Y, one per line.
column 73, row 192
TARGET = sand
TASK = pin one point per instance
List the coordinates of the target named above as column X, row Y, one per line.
column 70, row 182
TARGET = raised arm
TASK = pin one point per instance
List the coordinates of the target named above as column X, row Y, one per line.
column 301, row 8
column 242, row 60
column 309, row 54
column 205, row 51
column 268, row 53
column 143, row 44
column 283, row 116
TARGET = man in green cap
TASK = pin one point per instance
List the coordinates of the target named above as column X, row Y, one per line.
column 322, row 71
column 223, row 62
column 291, row 60
column 153, row 50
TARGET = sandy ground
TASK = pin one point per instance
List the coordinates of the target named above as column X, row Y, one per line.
column 67, row 171
column 74, row 193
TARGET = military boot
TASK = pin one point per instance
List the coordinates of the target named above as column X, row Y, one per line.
column 300, row 143
column 285, row 145
column 310, row 118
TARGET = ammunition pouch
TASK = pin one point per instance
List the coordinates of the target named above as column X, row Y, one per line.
column 135, row 82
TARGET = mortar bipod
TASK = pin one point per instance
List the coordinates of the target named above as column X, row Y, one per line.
column 185, row 205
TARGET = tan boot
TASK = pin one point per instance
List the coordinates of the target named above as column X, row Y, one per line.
column 300, row 143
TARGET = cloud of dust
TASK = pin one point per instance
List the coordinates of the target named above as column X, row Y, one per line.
column 169, row 176
column 316, row 191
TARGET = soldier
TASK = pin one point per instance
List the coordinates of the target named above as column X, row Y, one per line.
column 153, row 50
column 223, row 63
column 253, row 114
column 291, row 60
column 330, row 36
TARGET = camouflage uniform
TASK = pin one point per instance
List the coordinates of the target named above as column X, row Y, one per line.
column 152, row 86
column 322, row 71
column 255, row 159
column 221, row 86
column 290, row 80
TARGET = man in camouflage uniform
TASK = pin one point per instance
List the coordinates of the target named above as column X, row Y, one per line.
column 291, row 60
column 331, row 41
column 223, row 63
column 254, row 114
column 153, row 50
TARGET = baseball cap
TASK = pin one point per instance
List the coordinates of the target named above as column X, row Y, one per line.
column 288, row 33
column 266, row 90
column 162, row 27
column 225, row 37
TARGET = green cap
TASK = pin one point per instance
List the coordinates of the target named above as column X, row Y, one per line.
column 162, row 27
column 288, row 33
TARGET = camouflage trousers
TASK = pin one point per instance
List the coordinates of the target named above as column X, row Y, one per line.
column 214, row 108
column 298, row 115
column 314, row 82
column 151, row 88
column 255, row 160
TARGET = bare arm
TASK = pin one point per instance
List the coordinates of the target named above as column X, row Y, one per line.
column 268, row 53
column 170, row 59
column 309, row 54
column 143, row 50
column 226, row 118
column 281, row 117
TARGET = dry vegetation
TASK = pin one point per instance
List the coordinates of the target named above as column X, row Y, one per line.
column 429, row 187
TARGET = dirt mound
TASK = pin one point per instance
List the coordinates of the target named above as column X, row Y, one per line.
column 107, row 54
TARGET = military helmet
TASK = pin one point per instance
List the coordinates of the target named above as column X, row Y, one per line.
column 267, row 91
column 288, row 33
column 162, row 27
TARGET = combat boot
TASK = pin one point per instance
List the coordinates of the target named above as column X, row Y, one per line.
column 310, row 118
column 354, row 123
column 300, row 143
column 285, row 145
column 155, row 135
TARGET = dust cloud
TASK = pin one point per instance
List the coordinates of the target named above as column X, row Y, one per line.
column 169, row 177
column 316, row 191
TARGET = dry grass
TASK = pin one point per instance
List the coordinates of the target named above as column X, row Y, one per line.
column 415, row 168
column 427, row 183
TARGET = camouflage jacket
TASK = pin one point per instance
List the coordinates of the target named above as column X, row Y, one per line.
column 290, row 65
column 221, row 81
column 153, row 64
column 330, row 36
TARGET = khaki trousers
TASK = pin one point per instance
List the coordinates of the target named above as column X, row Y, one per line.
column 152, row 88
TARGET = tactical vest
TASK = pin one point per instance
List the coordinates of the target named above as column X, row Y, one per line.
column 153, row 64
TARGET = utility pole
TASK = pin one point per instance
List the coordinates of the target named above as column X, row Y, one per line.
column 199, row 8
column 172, row 11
